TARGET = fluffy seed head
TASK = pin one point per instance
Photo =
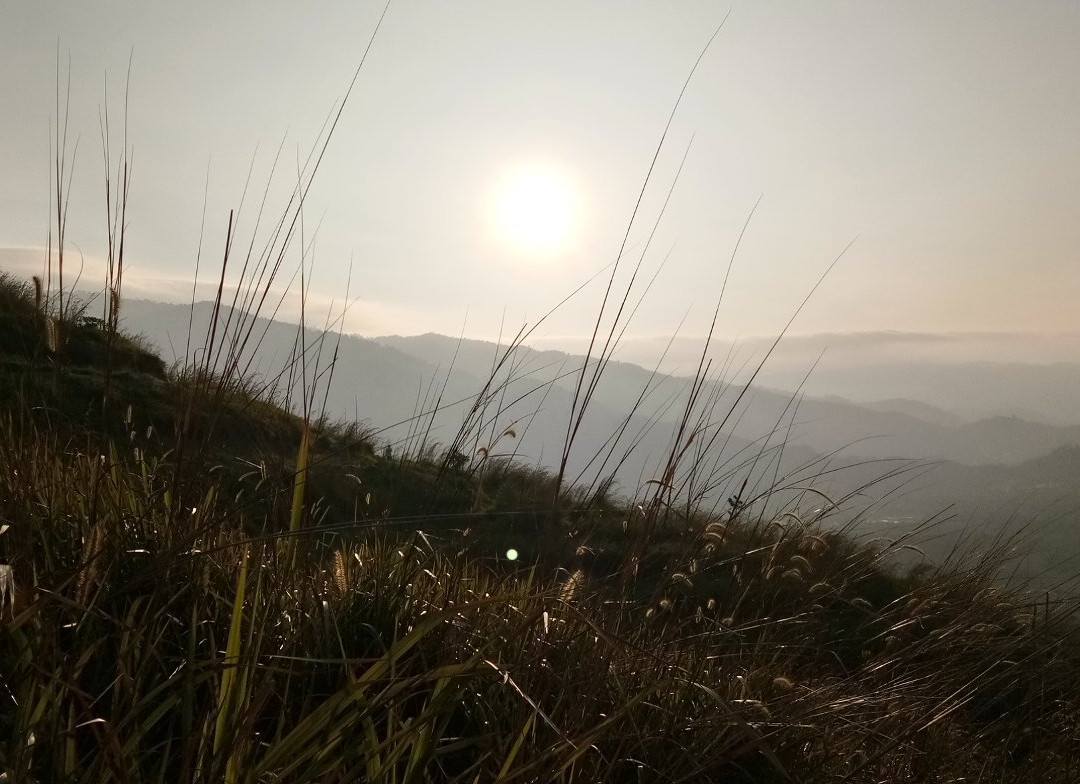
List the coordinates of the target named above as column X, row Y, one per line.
column 782, row 684
column 801, row 563
column 340, row 578
column 572, row 587
column 819, row 588
column 681, row 581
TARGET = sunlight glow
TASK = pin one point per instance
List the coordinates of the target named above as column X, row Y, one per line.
column 534, row 210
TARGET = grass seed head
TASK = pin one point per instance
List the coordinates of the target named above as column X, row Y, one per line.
column 340, row 578
column 801, row 563
column 682, row 582
column 782, row 684
column 570, row 589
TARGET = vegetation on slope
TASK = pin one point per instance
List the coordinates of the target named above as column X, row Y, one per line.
column 201, row 579
column 170, row 620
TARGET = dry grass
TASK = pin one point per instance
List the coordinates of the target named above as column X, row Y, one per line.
column 205, row 580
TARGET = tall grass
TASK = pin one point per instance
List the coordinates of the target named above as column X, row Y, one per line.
column 214, row 583
column 763, row 652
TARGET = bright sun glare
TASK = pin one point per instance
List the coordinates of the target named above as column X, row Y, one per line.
column 534, row 210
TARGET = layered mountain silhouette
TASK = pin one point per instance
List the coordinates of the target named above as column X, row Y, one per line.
column 387, row 381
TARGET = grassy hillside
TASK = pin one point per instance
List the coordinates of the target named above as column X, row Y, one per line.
column 202, row 584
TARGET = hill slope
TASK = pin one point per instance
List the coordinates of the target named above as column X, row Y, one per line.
column 218, row 601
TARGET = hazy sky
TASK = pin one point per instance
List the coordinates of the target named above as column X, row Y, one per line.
column 945, row 136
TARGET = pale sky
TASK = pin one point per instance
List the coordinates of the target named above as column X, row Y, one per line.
column 944, row 136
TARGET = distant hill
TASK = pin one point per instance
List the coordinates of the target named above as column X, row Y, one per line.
column 974, row 375
column 895, row 429
column 387, row 380
column 915, row 408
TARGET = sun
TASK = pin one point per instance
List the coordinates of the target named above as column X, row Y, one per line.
column 534, row 209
